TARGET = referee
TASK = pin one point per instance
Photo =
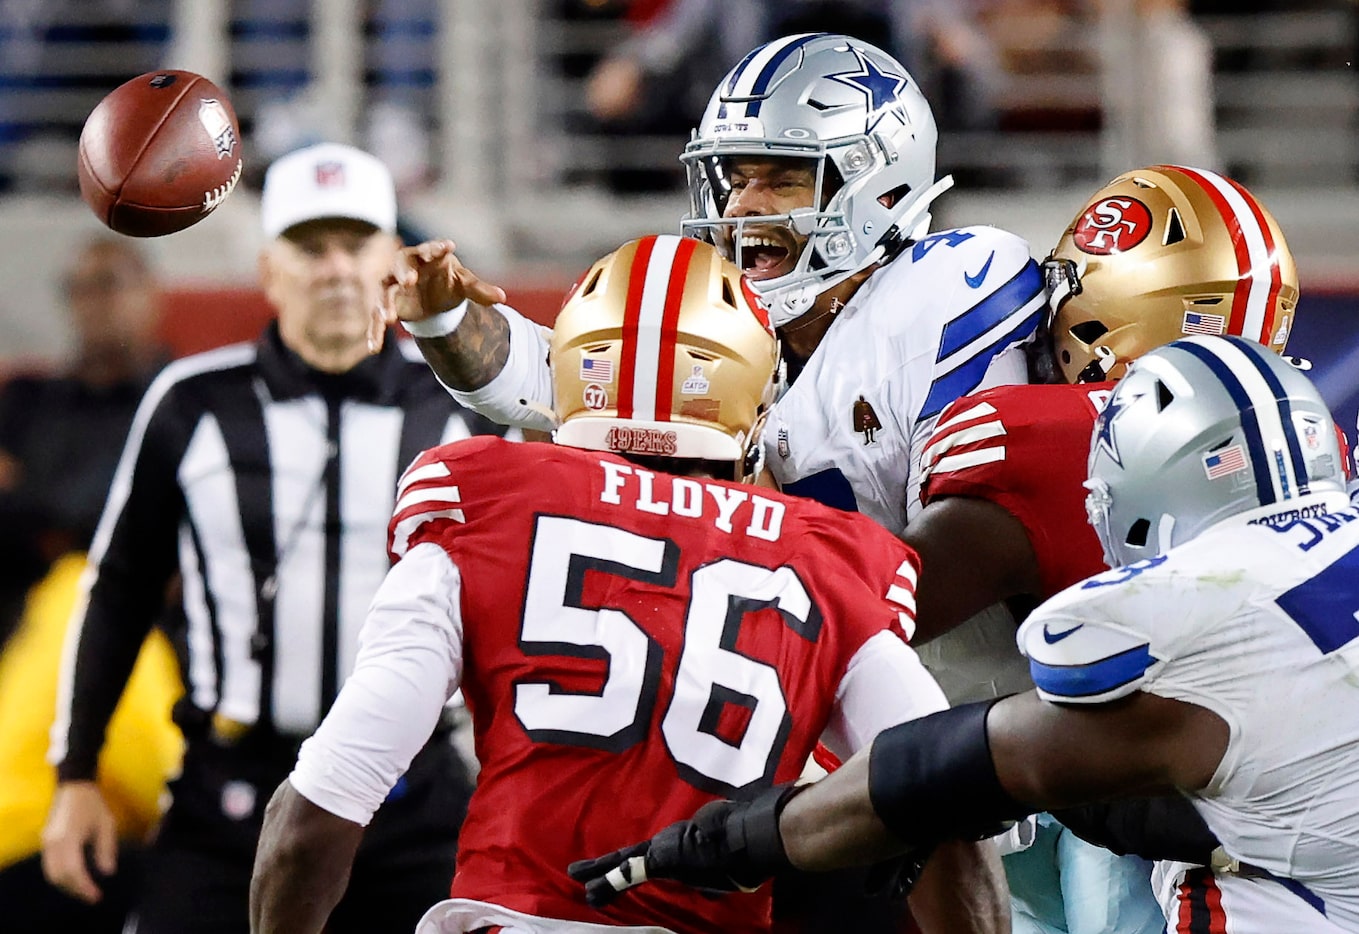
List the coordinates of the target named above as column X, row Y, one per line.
column 264, row 475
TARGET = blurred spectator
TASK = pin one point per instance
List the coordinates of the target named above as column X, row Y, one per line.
column 143, row 748
column 61, row 435
column 41, row 94
column 269, row 57
column 654, row 83
column 1158, row 86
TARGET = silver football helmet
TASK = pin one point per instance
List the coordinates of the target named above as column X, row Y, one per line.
column 857, row 116
column 1199, row 430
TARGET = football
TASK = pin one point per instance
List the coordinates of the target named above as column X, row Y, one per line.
column 159, row 153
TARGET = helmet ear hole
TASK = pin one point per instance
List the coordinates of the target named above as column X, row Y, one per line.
column 728, row 294
column 1137, row 533
column 1087, row 332
column 1163, row 396
column 1174, row 228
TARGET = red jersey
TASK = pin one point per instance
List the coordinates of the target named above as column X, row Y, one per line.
column 636, row 645
column 1025, row 448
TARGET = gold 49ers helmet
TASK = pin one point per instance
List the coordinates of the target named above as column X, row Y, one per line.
column 1160, row 253
column 662, row 349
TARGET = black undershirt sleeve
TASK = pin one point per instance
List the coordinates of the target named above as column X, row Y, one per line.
column 144, row 508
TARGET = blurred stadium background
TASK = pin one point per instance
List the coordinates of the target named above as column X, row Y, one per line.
column 508, row 162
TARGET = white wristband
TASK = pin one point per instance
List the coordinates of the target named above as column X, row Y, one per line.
column 445, row 322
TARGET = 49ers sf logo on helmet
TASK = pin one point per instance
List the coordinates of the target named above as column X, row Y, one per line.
column 1113, row 225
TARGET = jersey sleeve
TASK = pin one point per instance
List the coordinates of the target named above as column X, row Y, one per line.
column 409, row 664
column 1024, row 449
column 132, row 559
column 1086, row 646
column 428, row 498
column 521, row 393
column 884, row 685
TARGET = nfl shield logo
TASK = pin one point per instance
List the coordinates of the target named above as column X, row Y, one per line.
column 329, row 175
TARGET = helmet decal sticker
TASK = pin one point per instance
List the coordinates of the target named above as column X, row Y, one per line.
column 1113, row 225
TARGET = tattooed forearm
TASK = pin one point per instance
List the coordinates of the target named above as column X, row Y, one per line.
column 472, row 355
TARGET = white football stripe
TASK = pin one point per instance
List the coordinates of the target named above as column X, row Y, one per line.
column 968, row 459
column 902, row 597
column 434, row 494
column 401, row 535
column 907, row 571
column 992, row 429
column 967, row 415
column 745, row 82
column 647, row 359
column 427, row 472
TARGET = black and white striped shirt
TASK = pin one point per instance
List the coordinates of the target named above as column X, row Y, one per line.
column 268, row 485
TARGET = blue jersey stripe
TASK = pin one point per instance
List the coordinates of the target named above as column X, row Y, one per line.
column 1094, row 678
column 1255, row 441
column 829, row 487
column 961, row 380
column 992, row 310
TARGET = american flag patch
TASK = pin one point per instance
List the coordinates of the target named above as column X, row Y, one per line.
column 329, row 174
column 1196, row 322
column 1227, row 461
column 596, row 371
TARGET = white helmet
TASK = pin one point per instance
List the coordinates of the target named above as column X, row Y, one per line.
column 853, row 110
column 1199, row 430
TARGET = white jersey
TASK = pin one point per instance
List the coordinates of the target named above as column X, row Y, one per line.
column 944, row 318
column 1255, row 620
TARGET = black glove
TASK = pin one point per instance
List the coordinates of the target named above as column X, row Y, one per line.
column 727, row 846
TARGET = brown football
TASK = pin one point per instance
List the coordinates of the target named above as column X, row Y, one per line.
column 159, row 153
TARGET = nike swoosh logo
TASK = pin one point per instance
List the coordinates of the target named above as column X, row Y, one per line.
column 976, row 281
column 1052, row 638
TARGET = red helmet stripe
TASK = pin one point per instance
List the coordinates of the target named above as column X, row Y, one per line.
column 1275, row 275
column 674, row 300
column 1259, row 278
column 627, row 369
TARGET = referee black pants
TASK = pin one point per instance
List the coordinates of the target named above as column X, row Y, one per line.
column 198, row 870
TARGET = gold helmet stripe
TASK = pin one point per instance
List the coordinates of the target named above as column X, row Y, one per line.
column 1254, row 303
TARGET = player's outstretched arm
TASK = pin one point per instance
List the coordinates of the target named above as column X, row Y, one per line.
column 426, row 290
column 959, row 773
column 963, row 772
column 301, row 866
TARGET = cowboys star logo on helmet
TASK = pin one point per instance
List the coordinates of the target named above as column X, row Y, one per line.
column 881, row 85
column 1208, row 427
column 849, row 113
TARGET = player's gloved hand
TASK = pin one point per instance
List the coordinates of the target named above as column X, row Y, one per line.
column 727, row 846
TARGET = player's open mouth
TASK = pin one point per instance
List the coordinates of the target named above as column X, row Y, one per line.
column 764, row 256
